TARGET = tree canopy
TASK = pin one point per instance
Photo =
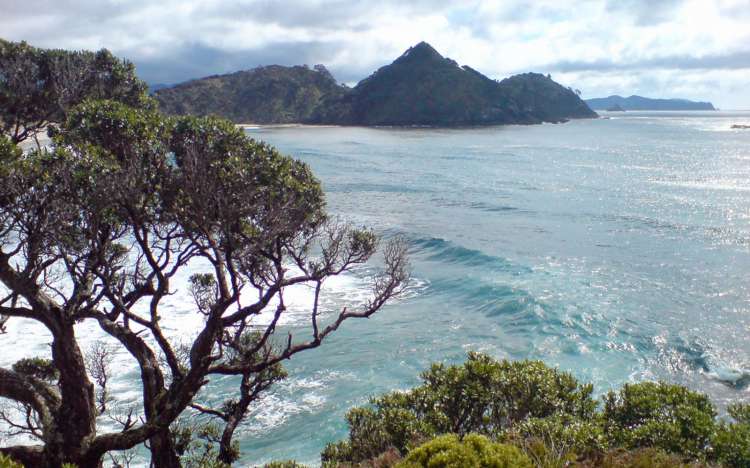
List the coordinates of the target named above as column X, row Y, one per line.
column 97, row 228
column 38, row 87
column 544, row 412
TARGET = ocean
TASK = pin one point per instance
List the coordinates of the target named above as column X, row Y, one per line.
column 617, row 249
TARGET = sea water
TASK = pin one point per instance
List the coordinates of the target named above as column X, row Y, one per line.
column 617, row 249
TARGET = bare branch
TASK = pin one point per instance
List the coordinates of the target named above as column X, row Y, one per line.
column 98, row 364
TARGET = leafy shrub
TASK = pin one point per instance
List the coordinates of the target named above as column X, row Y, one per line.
column 197, row 444
column 388, row 424
column 474, row 451
column 558, row 440
column 660, row 415
column 284, row 464
column 7, row 462
column 732, row 441
column 387, row 459
column 550, row 416
column 639, row 458
column 40, row 368
column 483, row 395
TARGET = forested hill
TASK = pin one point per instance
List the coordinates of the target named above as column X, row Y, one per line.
column 638, row 103
column 421, row 87
column 264, row 95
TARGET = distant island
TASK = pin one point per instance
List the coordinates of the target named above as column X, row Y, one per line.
column 640, row 103
column 615, row 108
column 420, row 88
column 154, row 87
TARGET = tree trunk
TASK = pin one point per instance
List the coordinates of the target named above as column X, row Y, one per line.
column 163, row 454
column 75, row 420
column 226, row 453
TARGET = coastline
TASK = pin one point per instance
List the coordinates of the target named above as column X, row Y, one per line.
column 285, row 125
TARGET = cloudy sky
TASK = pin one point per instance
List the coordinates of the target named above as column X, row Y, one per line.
column 696, row 49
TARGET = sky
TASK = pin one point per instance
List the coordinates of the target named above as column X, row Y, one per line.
column 693, row 49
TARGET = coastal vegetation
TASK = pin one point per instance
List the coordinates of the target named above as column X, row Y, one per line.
column 264, row 95
column 39, row 87
column 420, row 88
column 490, row 413
column 96, row 225
column 640, row 103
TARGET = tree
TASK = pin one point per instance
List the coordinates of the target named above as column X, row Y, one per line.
column 38, row 87
column 482, row 395
column 96, row 227
column 662, row 415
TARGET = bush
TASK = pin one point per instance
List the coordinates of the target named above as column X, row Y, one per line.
column 474, row 451
column 387, row 459
column 558, row 440
column 388, row 424
column 284, row 464
column 660, row 415
column 550, row 416
column 40, row 368
column 638, row 458
column 485, row 395
column 482, row 395
column 732, row 441
column 7, row 462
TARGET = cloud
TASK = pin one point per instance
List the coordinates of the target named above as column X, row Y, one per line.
column 731, row 61
column 194, row 59
column 646, row 12
column 587, row 42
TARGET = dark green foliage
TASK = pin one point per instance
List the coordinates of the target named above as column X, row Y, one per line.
column 98, row 223
column 43, row 369
column 638, row 458
column 7, row 462
column 539, row 96
column 482, row 395
column 557, row 440
column 389, row 423
column 197, row 444
column 473, row 451
column 41, row 86
column 423, row 88
column 487, row 396
column 419, row 88
column 740, row 412
column 8, row 151
column 661, row 415
column 284, row 464
column 732, row 442
column 550, row 416
column 272, row 94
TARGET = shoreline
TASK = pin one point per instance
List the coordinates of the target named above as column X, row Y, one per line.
column 285, row 125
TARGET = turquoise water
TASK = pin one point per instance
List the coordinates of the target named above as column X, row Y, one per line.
column 617, row 249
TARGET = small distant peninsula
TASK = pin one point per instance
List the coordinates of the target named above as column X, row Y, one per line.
column 640, row 103
column 420, row 88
